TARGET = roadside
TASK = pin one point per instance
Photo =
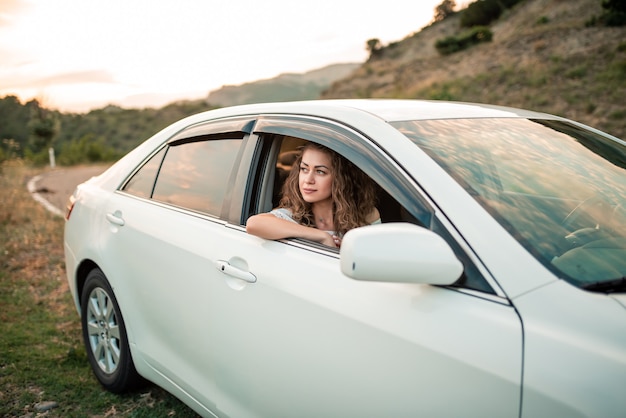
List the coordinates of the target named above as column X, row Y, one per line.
column 44, row 370
column 54, row 187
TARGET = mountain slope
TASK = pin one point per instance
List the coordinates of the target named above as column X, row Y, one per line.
column 542, row 57
column 285, row 87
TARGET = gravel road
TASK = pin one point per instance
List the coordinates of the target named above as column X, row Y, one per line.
column 54, row 187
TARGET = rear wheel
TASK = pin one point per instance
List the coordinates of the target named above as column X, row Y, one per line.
column 104, row 335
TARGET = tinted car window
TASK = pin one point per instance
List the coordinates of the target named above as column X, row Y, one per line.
column 194, row 175
column 142, row 182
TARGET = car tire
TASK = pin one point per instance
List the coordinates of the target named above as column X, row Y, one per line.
column 104, row 335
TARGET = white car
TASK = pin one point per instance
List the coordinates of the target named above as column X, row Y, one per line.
column 494, row 286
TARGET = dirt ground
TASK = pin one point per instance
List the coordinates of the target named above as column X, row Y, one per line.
column 55, row 186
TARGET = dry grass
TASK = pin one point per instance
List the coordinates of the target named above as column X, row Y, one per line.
column 42, row 358
column 542, row 57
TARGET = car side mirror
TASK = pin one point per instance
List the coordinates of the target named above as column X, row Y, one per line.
column 398, row 252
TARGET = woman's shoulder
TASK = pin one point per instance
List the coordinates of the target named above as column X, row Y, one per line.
column 374, row 217
column 283, row 213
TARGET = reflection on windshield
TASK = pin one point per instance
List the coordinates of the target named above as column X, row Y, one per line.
column 557, row 188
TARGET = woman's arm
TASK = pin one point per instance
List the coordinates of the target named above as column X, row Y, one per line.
column 268, row 226
column 373, row 217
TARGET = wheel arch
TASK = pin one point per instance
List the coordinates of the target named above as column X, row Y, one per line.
column 81, row 276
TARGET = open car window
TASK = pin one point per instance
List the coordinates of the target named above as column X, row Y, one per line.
column 279, row 153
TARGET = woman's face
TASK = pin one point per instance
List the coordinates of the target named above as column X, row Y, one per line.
column 316, row 176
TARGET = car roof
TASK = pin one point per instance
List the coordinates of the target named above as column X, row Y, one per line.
column 389, row 110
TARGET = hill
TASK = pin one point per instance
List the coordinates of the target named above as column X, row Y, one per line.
column 543, row 56
column 285, row 87
column 107, row 133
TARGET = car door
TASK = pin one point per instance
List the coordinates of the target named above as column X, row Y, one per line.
column 305, row 340
column 166, row 228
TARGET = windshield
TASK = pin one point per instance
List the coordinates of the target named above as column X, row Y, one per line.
column 559, row 189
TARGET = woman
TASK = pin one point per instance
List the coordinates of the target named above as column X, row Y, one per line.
column 324, row 197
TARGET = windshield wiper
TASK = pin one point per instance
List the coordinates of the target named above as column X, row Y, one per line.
column 607, row 286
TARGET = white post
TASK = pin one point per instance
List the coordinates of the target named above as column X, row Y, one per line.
column 51, row 154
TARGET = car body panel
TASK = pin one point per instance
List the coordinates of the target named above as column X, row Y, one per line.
column 235, row 325
column 572, row 341
column 370, row 333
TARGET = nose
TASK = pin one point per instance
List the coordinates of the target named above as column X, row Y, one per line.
column 309, row 178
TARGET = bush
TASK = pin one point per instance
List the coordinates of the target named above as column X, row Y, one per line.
column 86, row 150
column 37, row 158
column 614, row 18
column 543, row 20
column 474, row 36
column 614, row 5
column 480, row 13
column 614, row 14
column 483, row 12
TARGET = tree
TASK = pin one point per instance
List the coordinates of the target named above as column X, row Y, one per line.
column 445, row 9
column 481, row 13
column 374, row 47
column 43, row 128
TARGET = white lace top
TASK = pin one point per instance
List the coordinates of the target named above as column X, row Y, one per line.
column 284, row 213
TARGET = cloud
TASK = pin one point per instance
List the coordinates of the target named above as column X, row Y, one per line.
column 69, row 78
column 8, row 8
column 80, row 77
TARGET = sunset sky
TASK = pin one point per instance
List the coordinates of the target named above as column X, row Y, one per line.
column 76, row 55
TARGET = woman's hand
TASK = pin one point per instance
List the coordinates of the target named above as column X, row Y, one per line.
column 331, row 240
column 268, row 226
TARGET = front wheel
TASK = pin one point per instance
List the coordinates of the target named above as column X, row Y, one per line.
column 104, row 335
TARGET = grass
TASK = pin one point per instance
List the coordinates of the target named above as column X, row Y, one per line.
column 42, row 357
column 574, row 87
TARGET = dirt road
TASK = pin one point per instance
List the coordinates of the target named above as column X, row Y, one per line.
column 54, row 187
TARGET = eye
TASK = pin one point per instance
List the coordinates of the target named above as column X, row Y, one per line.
column 321, row 172
column 304, row 169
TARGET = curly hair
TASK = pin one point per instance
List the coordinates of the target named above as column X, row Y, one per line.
column 352, row 191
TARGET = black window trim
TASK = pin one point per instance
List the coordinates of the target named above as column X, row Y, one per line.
column 214, row 129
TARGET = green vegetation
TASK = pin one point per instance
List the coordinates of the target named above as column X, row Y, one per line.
column 581, row 82
column 614, row 14
column 476, row 18
column 374, row 47
column 483, row 12
column 444, row 10
column 543, row 20
column 42, row 358
column 28, row 130
column 470, row 37
column 541, row 57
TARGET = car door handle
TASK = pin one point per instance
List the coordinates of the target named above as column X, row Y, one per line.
column 226, row 268
column 116, row 218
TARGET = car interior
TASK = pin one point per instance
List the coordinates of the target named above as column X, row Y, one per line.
column 285, row 152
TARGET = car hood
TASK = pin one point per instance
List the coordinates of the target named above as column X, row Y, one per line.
column 620, row 297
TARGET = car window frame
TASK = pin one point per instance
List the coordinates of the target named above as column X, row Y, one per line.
column 362, row 151
column 202, row 131
column 376, row 163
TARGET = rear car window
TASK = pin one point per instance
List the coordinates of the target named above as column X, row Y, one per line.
column 192, row 175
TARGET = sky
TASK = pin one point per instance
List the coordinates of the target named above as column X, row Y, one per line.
column 79, row 55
